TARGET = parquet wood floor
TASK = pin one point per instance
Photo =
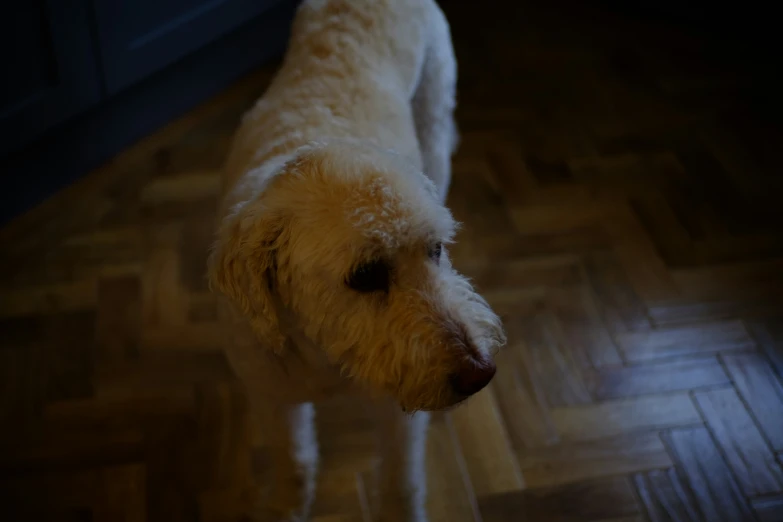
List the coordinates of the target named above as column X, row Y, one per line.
column 619, row 185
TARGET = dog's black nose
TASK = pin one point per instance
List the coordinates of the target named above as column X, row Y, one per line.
column 473, row 376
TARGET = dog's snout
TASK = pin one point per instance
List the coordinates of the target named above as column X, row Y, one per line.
column 473, row 375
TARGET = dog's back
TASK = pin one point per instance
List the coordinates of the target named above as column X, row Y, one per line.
column 350, row 72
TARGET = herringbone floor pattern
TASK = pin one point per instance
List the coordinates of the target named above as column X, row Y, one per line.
column 619, row 185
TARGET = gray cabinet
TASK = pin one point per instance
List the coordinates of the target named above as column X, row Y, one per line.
column 83, row 79
column 48, row 67
column 138, row 37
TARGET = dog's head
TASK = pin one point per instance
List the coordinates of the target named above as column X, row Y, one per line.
column 347, row 245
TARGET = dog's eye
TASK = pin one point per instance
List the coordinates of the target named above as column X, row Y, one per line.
column 435, row 251
column 370, row 277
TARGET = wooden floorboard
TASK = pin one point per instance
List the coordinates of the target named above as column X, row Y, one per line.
column 618, row 182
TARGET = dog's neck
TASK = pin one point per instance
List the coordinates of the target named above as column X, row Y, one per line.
column 308, row 361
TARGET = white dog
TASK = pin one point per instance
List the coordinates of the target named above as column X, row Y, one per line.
column 330, row 257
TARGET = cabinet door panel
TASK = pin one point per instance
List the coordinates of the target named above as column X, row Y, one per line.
column 139, row 37
column 49, row 68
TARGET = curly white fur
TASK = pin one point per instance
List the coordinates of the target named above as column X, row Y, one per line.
column 344, row 164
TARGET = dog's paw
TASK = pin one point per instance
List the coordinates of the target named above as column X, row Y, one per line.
column 277, row 513
column 287, row 500
column 400, row 512
column 400, row 517
column 266, row 513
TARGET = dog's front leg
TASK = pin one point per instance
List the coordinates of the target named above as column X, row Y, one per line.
column 289, row 435
column 402, row 479
column 288, row 431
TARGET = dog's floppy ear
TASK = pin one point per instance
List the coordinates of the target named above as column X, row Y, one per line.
column 243, row 267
